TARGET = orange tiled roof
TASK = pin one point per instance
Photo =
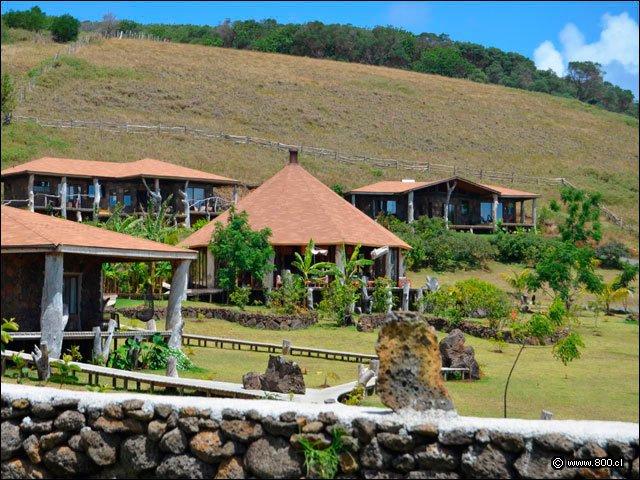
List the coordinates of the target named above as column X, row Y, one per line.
column 296, row 206
column 25, row 229
column 147, row 167
column 390, row 187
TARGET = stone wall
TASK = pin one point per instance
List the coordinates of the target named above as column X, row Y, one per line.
column 368, row 323
column 246, row 319
column 48, row 432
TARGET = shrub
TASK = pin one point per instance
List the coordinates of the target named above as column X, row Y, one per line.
column 8, row 98
column 381, row 293
column 610, row 253
column 520, row 247
column 473, row 295
column 337, row 299
column 290, row 297
column 65, row 28
column 240, row 297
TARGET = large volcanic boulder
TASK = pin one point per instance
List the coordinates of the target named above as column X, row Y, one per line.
column 456, row 355
column 283, row 375
column 410, row 364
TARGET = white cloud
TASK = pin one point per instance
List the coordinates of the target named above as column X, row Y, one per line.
column 547, row 57
column 618, row 42
column 616, row 50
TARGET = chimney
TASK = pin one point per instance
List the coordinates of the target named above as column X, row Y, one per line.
column 293, row 155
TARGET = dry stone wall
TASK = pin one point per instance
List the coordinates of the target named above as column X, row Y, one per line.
column 246, row 319
column 51, row 433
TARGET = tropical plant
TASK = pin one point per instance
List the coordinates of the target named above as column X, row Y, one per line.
column 290, row 296
column 382, row 295
column 327, row 375
column 540, row 327
column 22, row 370
column 8, row 326
column 355, row 396
column 498, row 343
column 305, row 266
column 65, row 371
column 74, row 353
column 323, row 462
column 610, row 294
column 518, row 281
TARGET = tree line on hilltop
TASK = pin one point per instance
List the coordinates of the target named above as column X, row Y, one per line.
column 382, row 46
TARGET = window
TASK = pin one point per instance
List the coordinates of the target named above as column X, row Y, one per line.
column 194, row 194
column 451, row 216
column 465, row 207
column 127, row 198
column 391, row 206
column 92, row 191
column 70, row 295
column 486, row 212
column 41, row 186
column 113, row 198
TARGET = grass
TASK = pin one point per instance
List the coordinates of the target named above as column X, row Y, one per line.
column 602, row 385
column 376, row 111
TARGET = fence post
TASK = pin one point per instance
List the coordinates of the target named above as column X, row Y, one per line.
column 513, row 177
column 126, row 128
column 480, row 174
column 286, row 347
column 71, row 124
column 185, row 129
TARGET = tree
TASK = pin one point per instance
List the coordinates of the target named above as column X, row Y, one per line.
column 540, row 327
column 8, row 98
column 110, row 23
column 305, row 266
column 611, row 293
column 65, row 28
column 239, row 249
column 129, row 26
column 444, row 61
column 587, row 78
column 569, row 266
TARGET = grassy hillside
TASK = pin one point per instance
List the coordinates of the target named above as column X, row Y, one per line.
column 348, row 107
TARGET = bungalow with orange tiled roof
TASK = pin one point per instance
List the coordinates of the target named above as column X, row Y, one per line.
column 75, row 188
column 298, row 207
column 465, row 205
column 52, row 272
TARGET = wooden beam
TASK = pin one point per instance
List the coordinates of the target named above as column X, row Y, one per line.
column 185, row 200
column 211, row 269
column 96, row 198
column 178, row 293
column 268, row 276
column 32, row 202
column 494, row 212
column 521, row 211
column 535, row 227
column 52, row 315
column 235, row 194
column 63, row 197
column 410, row 207
column 450, row 189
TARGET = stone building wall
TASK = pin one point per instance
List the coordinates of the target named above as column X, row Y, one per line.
column 49, row 432
column 22, row 279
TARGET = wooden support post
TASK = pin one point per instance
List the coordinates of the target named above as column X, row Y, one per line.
column 494, row 212
column 185, row 199
column 522, row 216
column 235, row 194
column 32, row 202
column 534, row 214
column 450, row 189
column 419, row 296
column 53, row 318
column 268, row 282
column 63, row 197
column 96, row 198
column 286, row 347
column 41, row 359
column 405, row 296
column 353, row 200
column 172, row 367
column 410, row 207
column 178, row 293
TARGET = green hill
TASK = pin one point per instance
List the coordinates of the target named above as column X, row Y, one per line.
column 365, row 110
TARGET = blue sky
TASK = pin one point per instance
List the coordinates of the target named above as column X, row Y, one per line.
column 550, row 33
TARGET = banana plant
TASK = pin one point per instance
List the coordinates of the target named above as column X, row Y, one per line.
column 306, row 268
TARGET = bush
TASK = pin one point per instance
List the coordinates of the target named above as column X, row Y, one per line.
column 610, row 253
column 65, row 28
column 8, row 98
column 520, row 247
column 240, row 297
column 337, row 299
column 381, row 293
column 290, row 297
column 473, row 295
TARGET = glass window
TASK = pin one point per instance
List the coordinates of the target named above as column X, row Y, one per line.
column 486, row 211
column 92, row 191
column 391, row 206
column 127, row 198
column 42, row 186
column 113, row 198
column 70, row 293
column 465, row 207
column 194, row 194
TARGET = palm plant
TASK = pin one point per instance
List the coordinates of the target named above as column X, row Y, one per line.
column 518, row 281
column 305, row 266
column 610, row 294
